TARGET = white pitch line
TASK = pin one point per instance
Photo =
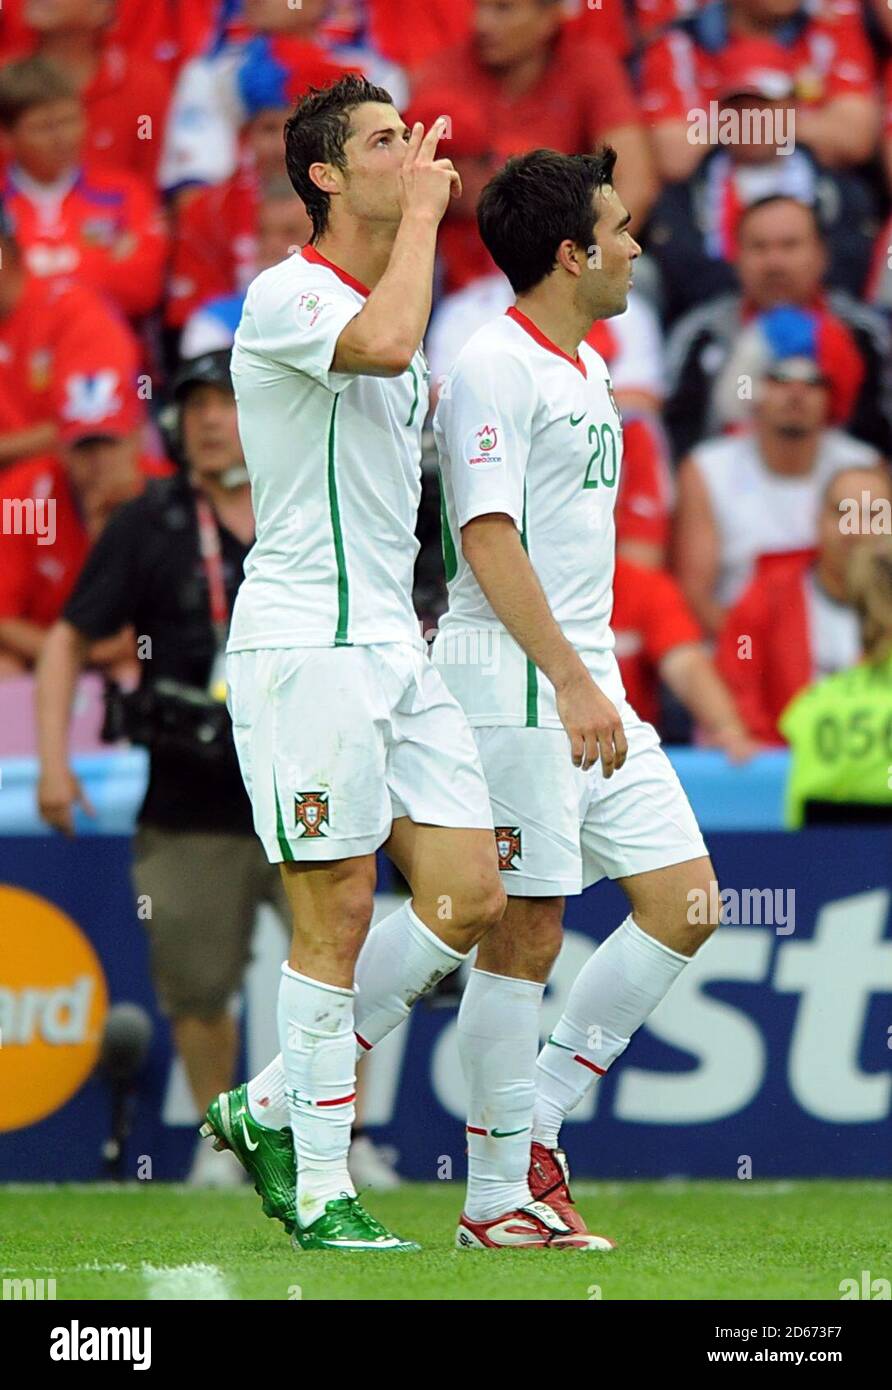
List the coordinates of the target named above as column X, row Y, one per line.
column 199, row 1282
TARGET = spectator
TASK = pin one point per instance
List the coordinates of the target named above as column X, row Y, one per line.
column 282, row 227
column 782, row 260
column 59, row 345
column 539, row 87
column 631, row 345
column 144, row 31
column 607, row 22
column 838, row 730
column 51, row 510
column 125, row 94
column 836, row 109
column 196, row 857
column 468, row 143
column 209, row 107
column 760, row 492
column 101, row 228
column 693, row 234
column 652, row 17
column 795, row 623
column 215, row 241
column 658, row 639
column 412, row 34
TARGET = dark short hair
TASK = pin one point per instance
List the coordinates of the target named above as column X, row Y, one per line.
column 29, row 83
column 534, row 203
column 317, row 132
column 771, row 199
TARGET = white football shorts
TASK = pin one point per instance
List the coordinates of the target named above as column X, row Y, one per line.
column 335, row 743
column 559, row 829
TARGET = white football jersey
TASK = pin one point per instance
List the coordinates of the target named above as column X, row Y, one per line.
column 335, row 467
column 524, row 429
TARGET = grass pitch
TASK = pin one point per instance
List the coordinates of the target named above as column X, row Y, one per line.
column 677, row 1240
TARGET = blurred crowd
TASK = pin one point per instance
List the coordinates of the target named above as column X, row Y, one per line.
column 143, row 186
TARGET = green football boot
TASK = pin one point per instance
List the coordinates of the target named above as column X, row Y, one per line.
column 346, row 1225
column 267, row 1155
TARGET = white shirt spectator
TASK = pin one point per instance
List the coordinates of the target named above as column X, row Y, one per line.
column 759, row 512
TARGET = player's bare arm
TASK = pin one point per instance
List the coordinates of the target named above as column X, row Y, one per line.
column 385, row 335
column 493, row 548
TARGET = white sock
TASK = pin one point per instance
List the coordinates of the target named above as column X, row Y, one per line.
column 400, row 961
column 319, row 1053
column 616, row 990
column 498, row 1038
column 266, row 1096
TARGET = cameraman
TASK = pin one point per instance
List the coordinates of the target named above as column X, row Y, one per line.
column 170, row 563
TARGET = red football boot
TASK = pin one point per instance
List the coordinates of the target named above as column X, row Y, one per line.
column 535, row 1227
column 549, row 1179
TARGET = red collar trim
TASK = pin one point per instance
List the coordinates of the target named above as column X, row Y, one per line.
column 310, row 253
column 536, row 333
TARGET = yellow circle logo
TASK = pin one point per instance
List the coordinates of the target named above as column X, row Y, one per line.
column 53, row 1002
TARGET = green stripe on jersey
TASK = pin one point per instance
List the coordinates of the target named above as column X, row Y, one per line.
column 450, row 559
column 280, row 827
column 411, row 418
column 532, row 702
column 341, row 639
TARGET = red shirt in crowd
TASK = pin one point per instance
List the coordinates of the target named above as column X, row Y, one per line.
column 37, row 578
column 215, row 245
column 650, row 618
column 107, row 232
column 831, row 57
column 412, row 34
column 55, row 342
column 605, row 21
column 583, row 93
column 773, row 613
column 126, row 106
column 144, row 30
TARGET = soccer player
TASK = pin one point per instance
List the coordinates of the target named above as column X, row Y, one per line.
column 530, row 442
column 347, row 738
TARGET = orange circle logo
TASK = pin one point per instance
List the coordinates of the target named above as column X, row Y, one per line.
column 53, row 1002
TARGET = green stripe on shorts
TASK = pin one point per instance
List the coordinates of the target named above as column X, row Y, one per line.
column 280, row 828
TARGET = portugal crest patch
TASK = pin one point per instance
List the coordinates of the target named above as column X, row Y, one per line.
column 508, row 846
column 311, row 811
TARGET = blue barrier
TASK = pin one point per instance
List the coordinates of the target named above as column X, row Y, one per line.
column 724, row 797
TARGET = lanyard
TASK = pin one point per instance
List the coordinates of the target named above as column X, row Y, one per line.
column 212, row 558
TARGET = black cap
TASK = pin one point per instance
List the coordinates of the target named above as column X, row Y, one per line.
column 210, row 369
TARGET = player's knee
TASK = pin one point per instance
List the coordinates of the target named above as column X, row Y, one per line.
column 700, row 913
column 478, row 911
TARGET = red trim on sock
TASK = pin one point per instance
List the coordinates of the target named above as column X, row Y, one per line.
column 362, row 1042
column 342, row 1100
column 602, row 1071
column 472, row 1129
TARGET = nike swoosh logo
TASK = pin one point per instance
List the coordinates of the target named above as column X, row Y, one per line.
column 506, row 1133
column 579, row 418
column 247, row 1138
